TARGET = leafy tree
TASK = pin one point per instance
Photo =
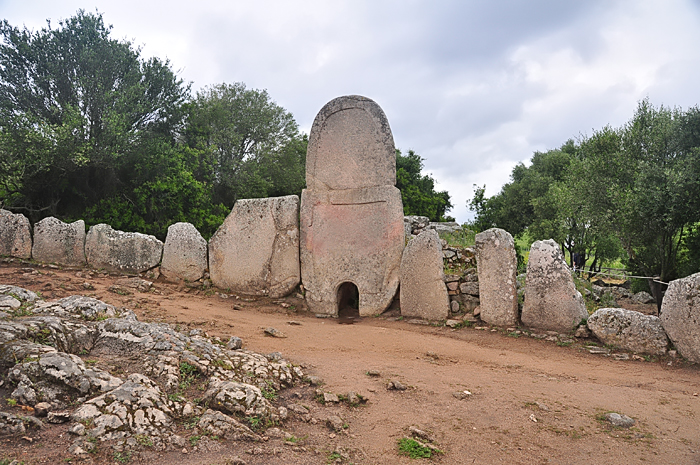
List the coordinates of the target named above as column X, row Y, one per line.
column 418, row 191
column 255, row 146
column 648, row 191
column 76, row 108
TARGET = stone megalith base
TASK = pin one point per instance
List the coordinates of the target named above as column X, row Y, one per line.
column 15, row 235
column 121, row 251
column 629, row 330
column 497, row 265
column 59, row 242
column 680, row 315
column 551, row 299
column 184, row 253
column 423, row 291
column 354, row 236
column 256, row 249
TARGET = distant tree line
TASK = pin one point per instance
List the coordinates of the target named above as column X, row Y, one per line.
column 630, row 193
column 91, row 130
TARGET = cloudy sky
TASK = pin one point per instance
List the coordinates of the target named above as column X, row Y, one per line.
column 474, row 87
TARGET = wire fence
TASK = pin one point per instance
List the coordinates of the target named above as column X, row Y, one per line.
column 619, row 273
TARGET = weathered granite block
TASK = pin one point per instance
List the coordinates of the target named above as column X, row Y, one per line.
column 551, row 299
column 184, row 253
column 680, row 315
column 15, row 235
column 59, row 242
column 121, row 251
column 423, row 291
column 256, row 249
column 497, row 265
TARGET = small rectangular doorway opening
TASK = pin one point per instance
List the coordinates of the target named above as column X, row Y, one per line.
column 348, row 299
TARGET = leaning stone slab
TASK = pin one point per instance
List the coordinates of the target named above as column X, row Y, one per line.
column 184, row 253
column 680, row 315
column 629, row 330
column 551, row 299
column 59, row 242
column 423, row 291
column 256, row 249
column 121, row 251
column 497, row 264
column 15, row 235
column 352, row 224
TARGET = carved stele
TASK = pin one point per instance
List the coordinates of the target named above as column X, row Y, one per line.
column 351, row 212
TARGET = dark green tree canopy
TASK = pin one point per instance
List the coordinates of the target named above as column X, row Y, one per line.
column 632, row 191
column 418, row 191
column 255, row 144
column 76, row 107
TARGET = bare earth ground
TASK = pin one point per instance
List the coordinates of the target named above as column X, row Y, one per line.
column 532, row 401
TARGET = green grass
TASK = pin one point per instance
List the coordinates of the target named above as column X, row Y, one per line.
column 463, row 238
column 413, row 449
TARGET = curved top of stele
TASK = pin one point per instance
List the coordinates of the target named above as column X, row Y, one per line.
column 350, row 146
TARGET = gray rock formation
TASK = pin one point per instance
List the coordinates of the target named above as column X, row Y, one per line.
column 423, row 290
column 121, row 251
column 352, row 225
column 497, row 265
column 680, row 315
column 59, row 242
column 15, row 235
column 39, row 355
column 629, row 330
column 551, row 299
column 256, row 249
column 184, row 253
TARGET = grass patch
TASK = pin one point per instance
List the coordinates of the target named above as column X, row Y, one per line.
column 414, row 449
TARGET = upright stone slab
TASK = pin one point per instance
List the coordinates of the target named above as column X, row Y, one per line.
column 15, row 235
column 497, row 265
column 423, row 291
column 351, row 212
column 184, row 253
column 551, row 299
column 680, row 315
column 59, row 242
column 256, row 249
column 121, row 251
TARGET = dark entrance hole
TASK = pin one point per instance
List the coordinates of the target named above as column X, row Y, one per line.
column 348, row 303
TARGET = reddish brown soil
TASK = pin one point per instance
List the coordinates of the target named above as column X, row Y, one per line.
column 501, row 422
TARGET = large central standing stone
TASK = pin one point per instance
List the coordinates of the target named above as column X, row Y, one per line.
column 351, row 212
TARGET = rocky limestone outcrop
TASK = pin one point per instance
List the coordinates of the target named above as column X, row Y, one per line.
column 59, row 242
column 680, row 315
column 15, row 235
column 115, row 250
column 423, row 292
column 184, row 253
column 551, row 299
column 629, row 330
column 497, row 265
column 45, row 352
column 256, row 250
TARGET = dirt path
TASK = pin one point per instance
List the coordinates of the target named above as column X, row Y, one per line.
column 531, row 400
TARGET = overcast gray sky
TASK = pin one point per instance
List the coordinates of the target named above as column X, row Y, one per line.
column 474, row 87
